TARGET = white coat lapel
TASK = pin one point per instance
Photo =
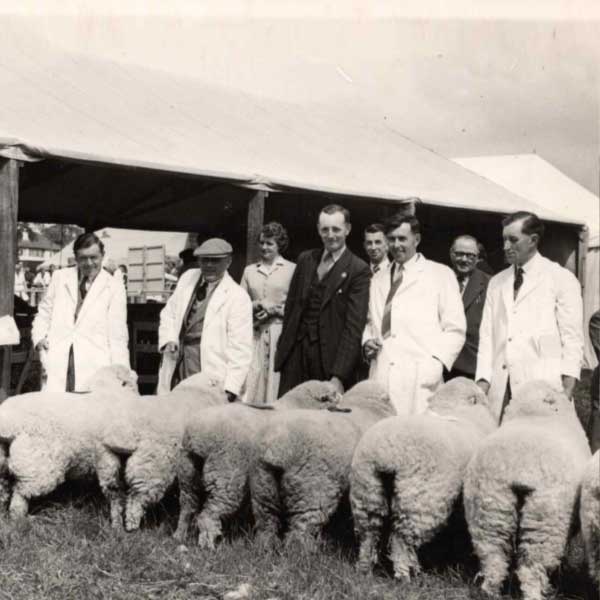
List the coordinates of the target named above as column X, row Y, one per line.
column 411, row 276
column 102, row 280
column 507, row 291
column 70, row 282
column 530, row 281
column 219, row 296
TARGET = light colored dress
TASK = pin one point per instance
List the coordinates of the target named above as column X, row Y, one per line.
column 269, row 284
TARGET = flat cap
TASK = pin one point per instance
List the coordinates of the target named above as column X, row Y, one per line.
column 215, row 247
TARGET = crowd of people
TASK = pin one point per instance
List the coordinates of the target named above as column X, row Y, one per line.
column 401, row 319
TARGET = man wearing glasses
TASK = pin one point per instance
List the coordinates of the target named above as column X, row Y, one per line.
column 81, row 324
column 473, row 283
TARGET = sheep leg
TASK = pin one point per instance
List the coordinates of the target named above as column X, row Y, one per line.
column 225, row 481
column 108, row 469
column 189, row 501
column 403, row 556
column 19, row 505
column 5, row 484
column 492, row 519
column 266, row 501
column 369, row 509
column 545, row 524
column 149, row 472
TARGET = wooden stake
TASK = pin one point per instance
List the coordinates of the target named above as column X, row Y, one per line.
column 256, row 216
column 9, row 203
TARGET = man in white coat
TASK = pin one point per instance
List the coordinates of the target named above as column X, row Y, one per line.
column 206, row 326
column 532, row 324
column 416, row 322
column 81, row 324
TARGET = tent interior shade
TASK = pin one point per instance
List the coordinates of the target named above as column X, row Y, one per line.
column 89, row 112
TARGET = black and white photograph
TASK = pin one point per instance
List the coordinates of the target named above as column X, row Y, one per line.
column 299, row 300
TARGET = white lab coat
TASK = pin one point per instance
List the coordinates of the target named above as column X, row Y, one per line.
column 540, row 336
column 428, row 321
column 99, row 335
column 226, row 344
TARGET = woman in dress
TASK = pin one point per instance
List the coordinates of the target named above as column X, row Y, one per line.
column 267, row 283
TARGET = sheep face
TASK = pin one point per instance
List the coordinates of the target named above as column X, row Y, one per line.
column 113, row 377
column 538, row 399
column 310, row 394
column 461, row 398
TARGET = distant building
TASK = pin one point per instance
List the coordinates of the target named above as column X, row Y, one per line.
column 33, row 252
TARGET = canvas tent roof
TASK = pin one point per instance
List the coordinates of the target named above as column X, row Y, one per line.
column 95, row 112
column 532, row 177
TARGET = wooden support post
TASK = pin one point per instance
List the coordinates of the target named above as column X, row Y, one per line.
column 582, row 250
column 9, row 202
column 256, row 216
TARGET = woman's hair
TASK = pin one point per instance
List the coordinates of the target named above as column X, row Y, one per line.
column 277, row 232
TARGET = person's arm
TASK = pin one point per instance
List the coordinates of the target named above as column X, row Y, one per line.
column 349, row 345
column 569, row 318
column 41, row 322
column 168, row 334
column 595, row 333
column 239, row 344
column 483, row 375
column 118, row 335
column 452, row 321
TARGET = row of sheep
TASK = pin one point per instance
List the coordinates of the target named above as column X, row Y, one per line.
column 526, row 486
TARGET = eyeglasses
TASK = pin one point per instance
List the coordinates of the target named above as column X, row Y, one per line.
column 467, row 255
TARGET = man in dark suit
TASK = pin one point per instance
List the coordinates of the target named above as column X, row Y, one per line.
column 473, row 283
column 326, row 309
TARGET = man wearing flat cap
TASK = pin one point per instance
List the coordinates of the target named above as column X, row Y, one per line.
column 206, row 326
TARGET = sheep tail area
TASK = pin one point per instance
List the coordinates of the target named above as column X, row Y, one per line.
column 265, row 491
column 371, row 495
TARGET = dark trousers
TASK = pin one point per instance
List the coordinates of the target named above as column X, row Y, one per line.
column 448, row 375
column 304, row 363
column 593, row 428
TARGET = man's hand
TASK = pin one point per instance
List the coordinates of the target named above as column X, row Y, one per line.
column 484, row 385
column 568, row 383
column 42, row 345
column 337, row 384
column 170, row 348
column 371, row 348
column 231, row 397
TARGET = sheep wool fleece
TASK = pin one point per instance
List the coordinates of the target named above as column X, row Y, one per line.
column 525, row 478
column 412, row 468
column 589, row 513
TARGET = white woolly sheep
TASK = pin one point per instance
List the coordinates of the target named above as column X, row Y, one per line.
column 304, row 461
column 521, row 488
column 219, row 451
column 48, row 437
column 589, row 514
column 411, row 469
column 147, row 441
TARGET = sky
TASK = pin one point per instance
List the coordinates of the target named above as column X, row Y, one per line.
column 478, row 78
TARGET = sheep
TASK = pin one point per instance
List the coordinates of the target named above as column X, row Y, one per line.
column 219, row 451
column 146, row 442
column 411, row 469
column 48, row 437
column 589, row 515
column 521, row 488
column 304, row 462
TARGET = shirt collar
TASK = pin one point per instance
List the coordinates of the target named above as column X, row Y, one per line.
column 262, row 268
column 382, row 266
column 531, row 264
column 335, row 255
column 411, row 262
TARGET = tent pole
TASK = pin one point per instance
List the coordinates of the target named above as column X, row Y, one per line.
column 256, row 216
column 9, row 203
column 582, row 249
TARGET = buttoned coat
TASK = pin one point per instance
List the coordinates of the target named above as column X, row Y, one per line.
column 342, row 316
column 538, row 336
column 99, row 334
column 226, row 344
column 473, row 301
column 428, row 321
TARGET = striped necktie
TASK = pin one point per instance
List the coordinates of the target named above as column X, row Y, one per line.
column 518, row 281
column 396, row 275
column 325, row 265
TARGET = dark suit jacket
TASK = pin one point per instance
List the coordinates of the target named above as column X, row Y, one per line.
column 473, row 301
column 343, row 312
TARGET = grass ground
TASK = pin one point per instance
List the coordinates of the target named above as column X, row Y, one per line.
column 67, row 549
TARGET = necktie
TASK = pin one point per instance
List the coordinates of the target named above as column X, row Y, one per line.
column 518, row 281
column 201, row 290
column 462, row 283
column 324, row 266
column 83, row 288
column 386, row 321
